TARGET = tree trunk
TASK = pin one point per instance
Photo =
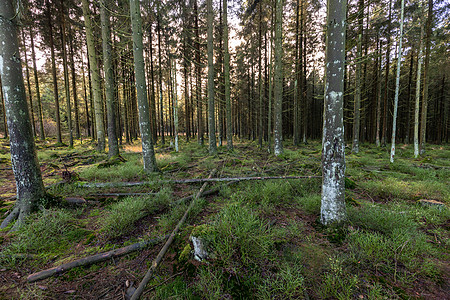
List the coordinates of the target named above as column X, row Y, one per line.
column 152, row 97
column 148, row 152
column 379, row 72
column 423, row 127
column 25, row 165
column 86, row 107
column 386, row 83
column 333, row 146
column 278, row 80
column 198, row 84
column 28, row 83
column 93, row 62
column 5, row 126
column 175, row 104
column 55, row 80
column 418, row 85
column 74, row 86
column 357, row 106
column 161, row 105
column 397, row 84
column 211, row 114
column 226, row 74
column 408, row 99
column 66, row 73
column 113, row 145
column 38, row 93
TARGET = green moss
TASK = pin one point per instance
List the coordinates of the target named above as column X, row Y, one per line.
column 184, row 255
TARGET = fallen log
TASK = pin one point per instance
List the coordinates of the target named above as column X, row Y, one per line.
column 169, row 241
column 86, row 261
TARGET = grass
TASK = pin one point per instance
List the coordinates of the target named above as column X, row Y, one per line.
column 121, row 216
column 264, row 237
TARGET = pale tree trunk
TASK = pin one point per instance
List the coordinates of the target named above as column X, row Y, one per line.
column 113, row 145
column 175, row 103
column 226, row 74
column 423, row 127
column 66, row 74
column 211, row 119
column 38, row 93
column 55, row 81
column 25, row 165
column 95, row 77
column 397, row 84
column 278, row 80
column 333, row 146
column 357, row 106
column 148, row 152
column 418, row 85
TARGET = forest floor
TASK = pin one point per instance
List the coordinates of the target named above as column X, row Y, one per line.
column 264, row 237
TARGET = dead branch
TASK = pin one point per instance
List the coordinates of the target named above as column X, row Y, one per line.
column 163, row 251
column 193, row 180
column 86, row 261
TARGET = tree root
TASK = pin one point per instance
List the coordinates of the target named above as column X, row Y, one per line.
column 11, row 217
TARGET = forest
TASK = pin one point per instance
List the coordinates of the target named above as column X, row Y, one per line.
column 215, row 149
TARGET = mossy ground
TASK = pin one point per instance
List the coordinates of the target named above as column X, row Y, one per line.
column 265, row 237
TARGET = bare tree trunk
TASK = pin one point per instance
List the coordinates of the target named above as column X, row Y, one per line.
column 161, row 105
column 66, row 74
column 357, row 106
column 397, row 83
column 74, row 86
column 211, row 118
column 28, row 83
column 226, row 73
column 148, row 152
column 55, row 80
column 333, row 146
column 86, row 107
column 38, row 93
column 25, row 165
column 379, row 72
column 386, row 85
column 423, row 128
column 5, row 126
column 95, row 73
column 278, row 80
column 113, row 146
column 175, row 103
column 418, row 85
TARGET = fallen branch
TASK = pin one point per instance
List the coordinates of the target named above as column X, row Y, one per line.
column 86, row 261
column 207, row 193
column 163, row 251
column 121, row 194
column 194, row 180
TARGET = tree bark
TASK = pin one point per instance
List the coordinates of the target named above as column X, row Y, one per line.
column 161, row 104
column 86, row 261
column 95, row 75
column 28, row 84
column 333, row 146
column 55, row 80
column 5, row 126
column 211, row 110
column 397, row 84
column 386, row 82
column 148, row 152
column 74, row 86
column 25, row 165
column 113, row 145
column 423, row 121
column 66, row 73
column 38, row 93
column 357, row 104
column 418, row 85
column 278, row 80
